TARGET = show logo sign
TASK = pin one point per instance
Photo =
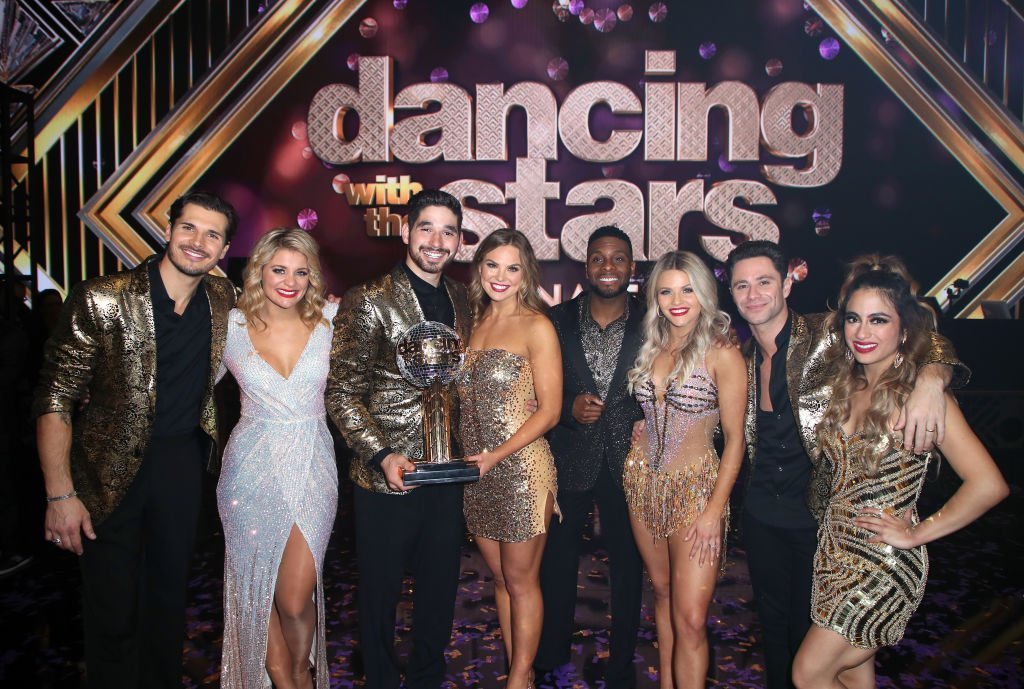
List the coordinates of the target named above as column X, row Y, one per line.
column 793, row 131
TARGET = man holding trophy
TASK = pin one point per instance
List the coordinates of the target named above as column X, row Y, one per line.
column 380, row 413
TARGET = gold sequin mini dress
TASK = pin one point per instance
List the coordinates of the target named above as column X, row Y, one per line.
column 671, row 470
column 508, row 502
column 867, row 591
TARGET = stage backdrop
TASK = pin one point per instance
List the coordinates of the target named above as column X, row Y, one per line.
column 834, row 127
column 689, row 125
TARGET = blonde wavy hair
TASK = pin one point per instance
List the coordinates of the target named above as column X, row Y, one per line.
column 528, row 288
column 712, row 324
column 889, row 276
column 311, row 308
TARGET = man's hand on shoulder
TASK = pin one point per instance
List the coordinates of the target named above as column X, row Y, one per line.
column 394, row 467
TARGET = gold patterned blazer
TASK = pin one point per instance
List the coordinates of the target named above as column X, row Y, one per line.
column 810, row 391
column 105, row 342
column 370, row 402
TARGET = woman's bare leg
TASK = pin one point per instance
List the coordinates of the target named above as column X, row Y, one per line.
column 293, row 617
column 827, row 661
column 692, row 589
column 655, row 555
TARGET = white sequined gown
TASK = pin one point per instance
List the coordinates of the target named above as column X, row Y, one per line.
column 278, row 470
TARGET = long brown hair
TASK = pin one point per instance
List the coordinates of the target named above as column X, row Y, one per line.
column 528, row 295
column 311, row 307
column 888, row 275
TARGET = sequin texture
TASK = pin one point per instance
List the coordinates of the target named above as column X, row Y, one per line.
column 105, row 341
column 671, row 471
column 601, row 346
column 867, row 591
column 279, row 470
column 810, row 391
column 508, row 502
column 368, row 399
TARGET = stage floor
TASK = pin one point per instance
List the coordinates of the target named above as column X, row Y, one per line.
column 968, row 632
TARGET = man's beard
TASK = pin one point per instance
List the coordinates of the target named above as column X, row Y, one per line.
column 428, row 267
column 192, row 270
column 602, row 292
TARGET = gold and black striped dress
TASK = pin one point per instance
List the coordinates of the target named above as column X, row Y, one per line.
column 867, row 591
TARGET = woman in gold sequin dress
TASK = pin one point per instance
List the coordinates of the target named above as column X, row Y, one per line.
column 278, row 489
column 688, row 378
column 871, row 565
column 513, row 358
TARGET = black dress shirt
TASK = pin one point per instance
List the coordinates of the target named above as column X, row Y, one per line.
column 782, row 469
column 436, row 305
column 434, row 301
column 182, row 358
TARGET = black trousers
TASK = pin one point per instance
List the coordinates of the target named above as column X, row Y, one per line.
column 560, row 568
column 135, row 574
column 781, row 563
column 422, row 531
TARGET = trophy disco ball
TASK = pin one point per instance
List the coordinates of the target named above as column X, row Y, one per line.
column 430, row 352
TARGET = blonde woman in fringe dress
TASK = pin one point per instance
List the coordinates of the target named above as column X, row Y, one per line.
column 871, row 565
column 278, row 490
column 688, row 378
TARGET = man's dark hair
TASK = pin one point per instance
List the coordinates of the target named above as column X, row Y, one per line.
column 434, row 197
column 610, row 231
column 210, row 202
column 757, row 248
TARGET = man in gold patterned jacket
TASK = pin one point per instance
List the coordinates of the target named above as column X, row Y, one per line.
column 126, row 473
column 379, row 414
column 788, row 487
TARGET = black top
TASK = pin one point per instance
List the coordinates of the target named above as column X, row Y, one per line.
column 582, row 451
column 782, row 469
column 182, row 358
column 434, row 301
column 436, row 305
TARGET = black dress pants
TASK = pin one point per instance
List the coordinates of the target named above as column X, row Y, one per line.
column 781, row 563
column 135, row 574
column 422, row 531
column 560, row 568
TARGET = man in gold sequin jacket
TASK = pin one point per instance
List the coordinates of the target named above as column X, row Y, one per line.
column 788, row 487
column 124, row 476
column 379, row 414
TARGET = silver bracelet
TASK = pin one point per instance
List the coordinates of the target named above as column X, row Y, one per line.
column 58, row 498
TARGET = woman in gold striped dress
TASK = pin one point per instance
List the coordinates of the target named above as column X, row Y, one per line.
column 871, row 564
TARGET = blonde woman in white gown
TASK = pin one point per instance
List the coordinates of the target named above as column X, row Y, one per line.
column 278, row 490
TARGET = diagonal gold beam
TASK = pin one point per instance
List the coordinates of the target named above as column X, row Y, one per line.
column 104, row 211
column 69, row 94
column 220, row 136
column 991, row 116
column 958, row 141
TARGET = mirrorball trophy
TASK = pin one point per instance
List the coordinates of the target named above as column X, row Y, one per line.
column 430, row 355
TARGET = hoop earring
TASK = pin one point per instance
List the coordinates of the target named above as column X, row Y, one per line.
column 898, row 361
column 849, row 355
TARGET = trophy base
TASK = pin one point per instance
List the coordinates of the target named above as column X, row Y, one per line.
column 457, row 471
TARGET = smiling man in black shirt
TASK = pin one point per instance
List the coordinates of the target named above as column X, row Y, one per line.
column 788, row 488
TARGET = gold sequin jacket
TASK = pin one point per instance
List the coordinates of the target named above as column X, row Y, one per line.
column 370, row 402
column 810, row 391
column 105, row 343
